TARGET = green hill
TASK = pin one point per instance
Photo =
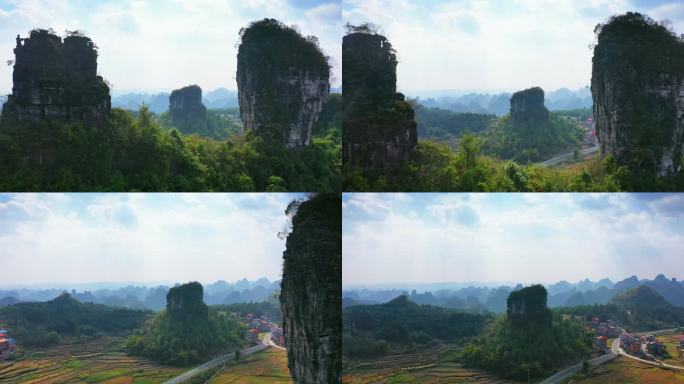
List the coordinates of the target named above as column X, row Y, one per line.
column 187, row 332
column 65, row 319
column 638, row 309
column 401, row 324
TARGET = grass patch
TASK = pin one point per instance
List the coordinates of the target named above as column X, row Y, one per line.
column 401, row 379
column 73, row 364
column 107, row 375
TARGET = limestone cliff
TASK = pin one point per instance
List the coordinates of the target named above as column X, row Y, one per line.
column 58, row 79
column 186, row 108
column 186, row 302
column 283, row 82
column 528, row 107
column 378, row 125
column 527, row 307
column 311, row 290
column 637, row 85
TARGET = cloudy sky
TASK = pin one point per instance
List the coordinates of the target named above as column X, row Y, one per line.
column 526, row 238
column 166, row 44
column 496, row 44
column 86, row 238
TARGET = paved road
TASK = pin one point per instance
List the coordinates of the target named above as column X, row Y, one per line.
column 219, row 361
column 568, row 156
column 570, row 371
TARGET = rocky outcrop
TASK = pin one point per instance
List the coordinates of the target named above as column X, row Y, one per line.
column 57, row 79
column 188, row 114
column 186, row 302
column 311, row 290
column 527, row 306
column 283, row 82
column 637, row 85
column 185, row 104
column 528, row 107
column 378, row 124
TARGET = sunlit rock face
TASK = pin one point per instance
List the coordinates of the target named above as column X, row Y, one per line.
column 311, row 290
column 637, row 86
column 55, row 78
column 283, row 82
column 378, row 124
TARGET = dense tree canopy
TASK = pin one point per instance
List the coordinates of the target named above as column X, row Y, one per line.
column 134, row 152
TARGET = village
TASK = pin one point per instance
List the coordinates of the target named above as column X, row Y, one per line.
column 644, row 346
column 260, row 325
column 7, row 344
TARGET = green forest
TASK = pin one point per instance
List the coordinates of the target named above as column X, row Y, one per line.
column 401, row 325
column 435, row 167
column 512, row 350
column 66, row 320
column 139, row 152
column 185, row 340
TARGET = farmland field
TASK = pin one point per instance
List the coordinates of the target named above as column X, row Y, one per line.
column 428, row 366
column 95, row 361
column 624, row 370
column 672, row 344
column 268, row 367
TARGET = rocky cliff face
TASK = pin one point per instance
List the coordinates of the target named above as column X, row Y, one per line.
column 637, row 85
column 527, row 306
column 283, row 82
column 186, row 108
column 55, row 78
column 311, row 290
column 528, row 106
column 378, row 125
column 186, row 301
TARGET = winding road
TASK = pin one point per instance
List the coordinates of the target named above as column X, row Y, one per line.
column 223, row 359
column 568, row 156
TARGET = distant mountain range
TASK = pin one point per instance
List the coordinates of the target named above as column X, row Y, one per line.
column 219, row 98
column 499, row 103
column 493, row 299
column 159, row 102
column 148, row 297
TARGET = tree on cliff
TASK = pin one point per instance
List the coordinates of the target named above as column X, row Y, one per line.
column 311, row 289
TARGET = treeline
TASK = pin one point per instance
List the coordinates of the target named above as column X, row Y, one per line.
column 400, row 325
column 437, row 124
column 270, row 309
column 435, row 167
column 185, row 341
column 220, row 124
column 65, row 319
column 532, row 140
column 135, row 153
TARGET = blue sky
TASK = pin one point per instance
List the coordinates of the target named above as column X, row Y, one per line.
column 497, row 44
column 528, row 238
column 84, row 238
column 166, row 44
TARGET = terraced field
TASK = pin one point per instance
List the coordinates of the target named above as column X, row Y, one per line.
column 624, row 370
column 672, row 344
column 96, row 361
column 427, row 366
column 268, row 367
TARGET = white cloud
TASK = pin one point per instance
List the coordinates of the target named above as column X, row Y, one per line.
column 141, row 237
column 159, row 45
column 526, row 238
column 493, row 45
